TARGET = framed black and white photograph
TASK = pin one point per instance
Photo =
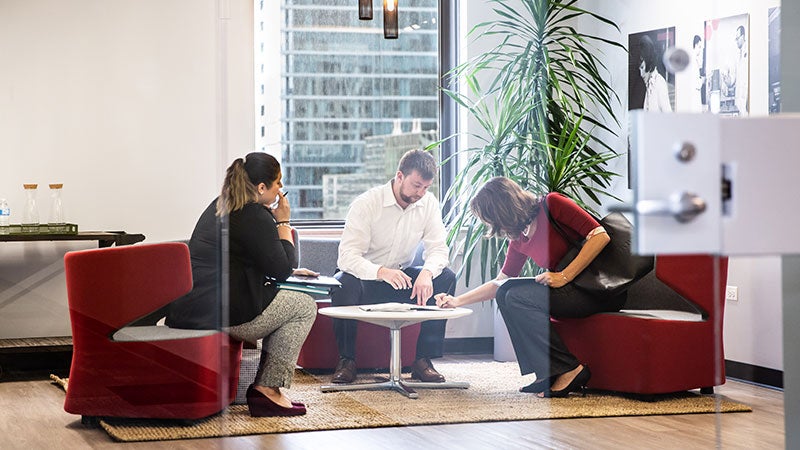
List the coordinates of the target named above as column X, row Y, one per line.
column 728, row 65
column 774, row 38
column 650, row 86
column 699, row 88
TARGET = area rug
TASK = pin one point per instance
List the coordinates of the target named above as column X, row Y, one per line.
column 492, row 396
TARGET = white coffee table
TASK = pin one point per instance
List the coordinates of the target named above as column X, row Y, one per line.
column 394, row 321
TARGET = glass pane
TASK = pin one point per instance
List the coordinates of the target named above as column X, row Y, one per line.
column 721, row 59
column 128, row 129
column 351, row 101
column 706, row 58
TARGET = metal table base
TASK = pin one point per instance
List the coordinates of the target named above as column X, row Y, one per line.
column 394, row 382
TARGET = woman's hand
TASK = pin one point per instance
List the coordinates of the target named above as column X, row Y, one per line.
column 447, row 301
column 282, row 212
column 303, row 272
column 552, row 279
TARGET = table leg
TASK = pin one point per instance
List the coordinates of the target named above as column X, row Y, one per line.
column 395, row 381
column 395, row 366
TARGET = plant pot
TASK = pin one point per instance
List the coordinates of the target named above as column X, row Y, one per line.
column 503, row 349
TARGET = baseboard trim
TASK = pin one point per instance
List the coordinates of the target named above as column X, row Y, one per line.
column 754, row 374
column 733, row 369
column 469, row 346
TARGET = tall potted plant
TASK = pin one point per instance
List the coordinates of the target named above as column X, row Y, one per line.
column 539, row 97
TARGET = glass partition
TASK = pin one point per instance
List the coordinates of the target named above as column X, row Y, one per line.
column 138, row 108
column 723, row 59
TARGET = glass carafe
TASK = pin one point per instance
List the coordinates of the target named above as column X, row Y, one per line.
column 56, row 207
column 30, row 215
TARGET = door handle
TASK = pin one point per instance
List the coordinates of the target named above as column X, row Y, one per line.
column 684, row 206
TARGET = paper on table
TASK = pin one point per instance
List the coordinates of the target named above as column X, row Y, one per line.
column 400, row 307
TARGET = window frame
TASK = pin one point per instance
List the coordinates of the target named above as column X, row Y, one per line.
column 448, row 45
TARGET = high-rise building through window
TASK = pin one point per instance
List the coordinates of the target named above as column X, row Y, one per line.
column 342, row 83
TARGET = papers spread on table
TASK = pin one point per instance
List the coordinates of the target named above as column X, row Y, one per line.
column 320, row 285
column 400, row 307
column 501, row 282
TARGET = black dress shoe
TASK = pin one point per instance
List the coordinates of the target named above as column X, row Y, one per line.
column 345, row 371
column 423, row 370
column 578, row 384
column 537, row 386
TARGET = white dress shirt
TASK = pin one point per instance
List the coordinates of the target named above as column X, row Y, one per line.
column 378, row 232
column 656, row 97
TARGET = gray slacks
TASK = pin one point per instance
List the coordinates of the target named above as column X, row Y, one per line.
column 282, row 328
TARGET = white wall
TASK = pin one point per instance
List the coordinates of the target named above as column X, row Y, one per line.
column 123, row 102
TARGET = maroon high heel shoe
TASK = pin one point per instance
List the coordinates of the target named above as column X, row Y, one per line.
column 262, row 406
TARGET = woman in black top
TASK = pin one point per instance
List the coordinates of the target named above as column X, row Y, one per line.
column 260, row 253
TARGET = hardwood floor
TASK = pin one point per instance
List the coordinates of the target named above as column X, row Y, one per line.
column 32, row 417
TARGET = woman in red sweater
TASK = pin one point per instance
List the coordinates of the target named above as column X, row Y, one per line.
column 528, row 304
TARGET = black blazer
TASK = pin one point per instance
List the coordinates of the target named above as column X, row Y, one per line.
column 257, row 258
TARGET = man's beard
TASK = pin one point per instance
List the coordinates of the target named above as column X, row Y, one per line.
column 408, row 199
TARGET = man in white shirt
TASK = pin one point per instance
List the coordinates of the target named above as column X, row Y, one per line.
column 382, row 231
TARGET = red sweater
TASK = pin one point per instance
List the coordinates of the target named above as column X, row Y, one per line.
column 546, row 246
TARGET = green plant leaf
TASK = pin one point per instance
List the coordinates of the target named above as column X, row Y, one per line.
column 541, row 99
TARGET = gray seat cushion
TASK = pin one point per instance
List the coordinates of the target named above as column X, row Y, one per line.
column 157, row 333
column 319, row 254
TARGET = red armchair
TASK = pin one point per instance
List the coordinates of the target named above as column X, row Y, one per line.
column 147, row 371
column 631, row 353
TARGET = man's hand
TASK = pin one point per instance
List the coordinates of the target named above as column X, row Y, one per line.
column 397, row 278
column 423, row 287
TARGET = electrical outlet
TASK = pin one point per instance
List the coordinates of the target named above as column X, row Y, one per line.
column 732, row 293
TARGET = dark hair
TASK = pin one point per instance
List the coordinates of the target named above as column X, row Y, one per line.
column 505, row 207
column 242, row 178
column 421, row 161
column 647, row 51
column 696, row 40
column 740, row 30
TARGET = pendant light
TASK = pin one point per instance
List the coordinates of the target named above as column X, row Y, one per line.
column 390, row 30
column 365, row 9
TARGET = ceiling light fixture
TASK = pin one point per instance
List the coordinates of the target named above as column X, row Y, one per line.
column 390, row 30
column 365, row 9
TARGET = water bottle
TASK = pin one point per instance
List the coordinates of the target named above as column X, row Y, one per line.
column 5, row 216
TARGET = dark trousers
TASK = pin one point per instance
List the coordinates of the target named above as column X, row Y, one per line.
column 527, row 306
column 355, row 291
